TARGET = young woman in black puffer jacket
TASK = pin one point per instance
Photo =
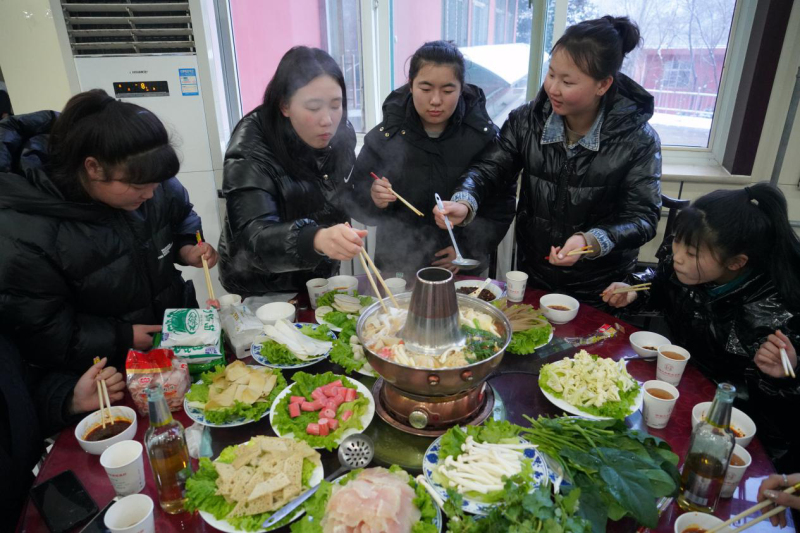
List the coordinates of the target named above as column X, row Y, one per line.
column 591, row 166
column 431, row 129
column 286, row 167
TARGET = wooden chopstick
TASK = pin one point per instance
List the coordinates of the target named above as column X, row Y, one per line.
column 764, row 516
column 787, row 365
column 753, row 509
column 632, row 288
column 372, row 281
column 205, row 269
column 102, row 389
column 414, row 209
column 579, row 251
column 380, row 278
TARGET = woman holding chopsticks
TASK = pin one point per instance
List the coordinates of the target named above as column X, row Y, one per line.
column 92, row 223
column 730, row 292
column 590, row 166
column 431, row 129
column 286, row 168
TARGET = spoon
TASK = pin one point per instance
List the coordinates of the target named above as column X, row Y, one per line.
column 355, row 451
column 477, row 291
column 459, row 261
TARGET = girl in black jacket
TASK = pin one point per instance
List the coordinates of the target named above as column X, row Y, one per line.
column 92, row 222
column 591, row 165
column 432, row 128
column 285, row 170
column 729, row 292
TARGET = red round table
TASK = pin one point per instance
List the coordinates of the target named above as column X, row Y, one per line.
column 517, row 391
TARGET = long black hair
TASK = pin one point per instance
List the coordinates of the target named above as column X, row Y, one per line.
column 753, row 221
column 118, row 134
column 437, row 53
column 297, row 68
column 598, row 47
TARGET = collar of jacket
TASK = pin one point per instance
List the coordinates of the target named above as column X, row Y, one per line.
column 554, row 131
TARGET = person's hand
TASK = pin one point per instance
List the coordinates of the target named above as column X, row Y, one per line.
column 84, row 395
column 618, row 300
column 447, row 255
column 558, row 254
column 456, row 212
column 768, row 356
column 192, row 255
column 381, row 193
column 772, row 489
column 339, row 242
column 143, row 336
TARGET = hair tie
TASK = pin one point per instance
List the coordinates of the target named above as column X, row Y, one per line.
column 750, row 196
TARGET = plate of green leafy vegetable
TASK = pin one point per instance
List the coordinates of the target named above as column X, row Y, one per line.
column 273, row 354
column 530, row 328
column 386, row 511
column 335, row 309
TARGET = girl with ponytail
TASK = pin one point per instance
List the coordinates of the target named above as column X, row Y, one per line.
column 591, row 165
column 730, row 292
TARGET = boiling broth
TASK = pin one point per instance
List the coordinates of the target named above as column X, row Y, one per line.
column 660, row 393
column 673, row 355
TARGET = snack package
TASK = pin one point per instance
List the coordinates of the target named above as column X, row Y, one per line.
column 606, row 331
column 190, row 327
column 241, row 326
column 156, row 366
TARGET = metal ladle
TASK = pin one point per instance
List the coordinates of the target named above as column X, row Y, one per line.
column 459, row 261
column 355, row 451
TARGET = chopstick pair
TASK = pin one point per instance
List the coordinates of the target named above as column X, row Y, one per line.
column 205, row 269
column 102, row 392
column 414, row 209
column 364, row 257
column 753, row 509
column 787, row 365
column 632, row 288
column 580, row 251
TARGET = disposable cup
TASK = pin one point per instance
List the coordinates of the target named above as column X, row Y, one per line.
column 316, row 288
column 669, row 369
column 396, row 285
column 516, row 282
column 734, row 473
column 657, row 410
column 125, row 467
column 131, row 514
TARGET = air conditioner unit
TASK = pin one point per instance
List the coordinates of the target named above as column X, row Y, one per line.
column 143, row 52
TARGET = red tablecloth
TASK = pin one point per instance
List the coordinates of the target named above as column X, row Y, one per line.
column 518, row 394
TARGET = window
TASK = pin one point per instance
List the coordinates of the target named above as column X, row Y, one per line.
column 680, row 61
column 497, row 59
column 263, row 31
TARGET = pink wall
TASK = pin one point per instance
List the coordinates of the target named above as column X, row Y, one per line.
column 415, row 22
column 263, row 31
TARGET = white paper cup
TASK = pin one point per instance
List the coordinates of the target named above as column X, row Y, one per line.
column 656, row 410
column 734, row 473
column 396, row 285
column 131, row 514
column 125, row 467
column 316, row 288
column 516, row 282
column 669, row 369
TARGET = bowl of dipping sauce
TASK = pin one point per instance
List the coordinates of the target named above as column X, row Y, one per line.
column 270, row 313
column 489, row 293
column 94, row 438
column 742, row 426
column 559, row 308
column 693, row 522
column 646, row 343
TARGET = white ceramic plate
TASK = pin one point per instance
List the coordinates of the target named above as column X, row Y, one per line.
column 366, row 418
column 337, row 329
column 223, row 525
column 255, row 351
column 571, row 409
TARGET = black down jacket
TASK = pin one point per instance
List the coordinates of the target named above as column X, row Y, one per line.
column 75, row 277
column 267, row 243
column 723, row 334
column 616, row 189
column 419, row 166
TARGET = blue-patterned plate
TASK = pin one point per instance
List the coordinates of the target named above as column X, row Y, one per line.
column 431, row 460
column 255, row 351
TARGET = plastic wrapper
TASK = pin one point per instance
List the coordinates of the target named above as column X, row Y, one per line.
column 144, row 370
column 606, row 331
column 242, row 327
column 190, row 327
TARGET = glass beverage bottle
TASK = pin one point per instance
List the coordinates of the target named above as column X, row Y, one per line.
column 169, row 457
column 709, row 453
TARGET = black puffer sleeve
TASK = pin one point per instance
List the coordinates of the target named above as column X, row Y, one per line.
column 15, row 131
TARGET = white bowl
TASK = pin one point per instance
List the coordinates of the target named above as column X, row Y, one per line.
column 396, row 285
column 227, row 300
column 93, row 419
column 702, row 520
column 640, row 339
column 346, row 284
column 475, row 283
column 557, row 316
column 270, row 313
column 739, row 421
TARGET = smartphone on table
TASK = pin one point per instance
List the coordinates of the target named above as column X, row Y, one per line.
column 63, row 502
